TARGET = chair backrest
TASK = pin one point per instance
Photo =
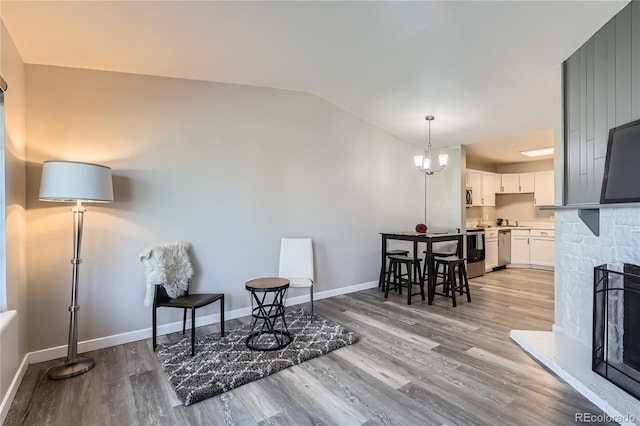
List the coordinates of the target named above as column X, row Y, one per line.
column 296, row 258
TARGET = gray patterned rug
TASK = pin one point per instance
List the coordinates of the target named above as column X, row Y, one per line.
column 221, row 364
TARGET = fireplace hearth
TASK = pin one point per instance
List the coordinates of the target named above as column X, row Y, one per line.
column 616, row 320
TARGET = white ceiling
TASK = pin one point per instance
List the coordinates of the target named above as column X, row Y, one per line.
column 484, row 69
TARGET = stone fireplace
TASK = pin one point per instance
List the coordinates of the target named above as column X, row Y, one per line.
column 616, row 339
column 567, row 349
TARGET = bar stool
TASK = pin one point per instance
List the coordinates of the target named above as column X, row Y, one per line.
column 437, row 273
column 399, row 252
column 455, row 267
column 413, row 276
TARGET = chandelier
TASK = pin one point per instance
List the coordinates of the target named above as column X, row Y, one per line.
column 423, row 162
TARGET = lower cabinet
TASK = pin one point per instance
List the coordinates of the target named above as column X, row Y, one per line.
column 520, row 247
column 542, row 247
column 491, row 250
column 532, row 248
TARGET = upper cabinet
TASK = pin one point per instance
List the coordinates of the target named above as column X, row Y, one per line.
column 483, row 186
column 489, row 184
column 526, row 182
column 543, row 195
column 515, row 183
column 474, row 181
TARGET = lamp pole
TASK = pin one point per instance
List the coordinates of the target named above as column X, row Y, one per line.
column 74, row 365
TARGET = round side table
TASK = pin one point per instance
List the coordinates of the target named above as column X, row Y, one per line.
column 267, row 306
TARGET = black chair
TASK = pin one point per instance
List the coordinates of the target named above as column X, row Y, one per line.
column 188, row 301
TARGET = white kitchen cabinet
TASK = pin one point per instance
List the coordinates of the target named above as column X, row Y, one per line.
column 483, row 185
column 491, row 249
column 516, row 183
column 541, row 247
column 544, row 189
column 474, row 181
column 489, row 188
column 527, row 184
column 520, row 247
column 510, row 183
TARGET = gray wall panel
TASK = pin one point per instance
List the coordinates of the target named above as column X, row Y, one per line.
column 602, row 90
column 572, row 102
column 583, row 114
column 600, row 94
column 635, row 62
column 589, row 89
column 610, row 78
column 623, row 66
column 588, row 173
column 573, row 160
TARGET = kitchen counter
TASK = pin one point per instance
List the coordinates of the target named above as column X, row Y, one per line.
column 527, row 226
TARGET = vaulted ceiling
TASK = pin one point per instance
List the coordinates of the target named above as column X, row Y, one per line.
column 483, row 68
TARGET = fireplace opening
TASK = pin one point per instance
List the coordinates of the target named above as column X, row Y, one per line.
column 616, row 331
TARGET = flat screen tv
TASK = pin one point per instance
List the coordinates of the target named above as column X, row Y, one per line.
column 621, row 181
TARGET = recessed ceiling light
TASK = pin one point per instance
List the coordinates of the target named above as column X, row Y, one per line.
column 537, row 152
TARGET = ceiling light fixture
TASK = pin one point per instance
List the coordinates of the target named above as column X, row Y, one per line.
column 423, row 162
column 538, row 152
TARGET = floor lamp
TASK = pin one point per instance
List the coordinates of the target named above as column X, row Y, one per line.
column 68, row 181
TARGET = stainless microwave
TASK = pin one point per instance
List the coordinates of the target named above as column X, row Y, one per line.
column 468, row 196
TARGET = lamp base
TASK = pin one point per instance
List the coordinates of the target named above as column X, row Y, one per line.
column 80, row 366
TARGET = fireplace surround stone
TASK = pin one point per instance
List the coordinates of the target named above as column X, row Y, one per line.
column 566, row 349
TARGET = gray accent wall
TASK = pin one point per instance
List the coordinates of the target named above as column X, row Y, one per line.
column 602, row 91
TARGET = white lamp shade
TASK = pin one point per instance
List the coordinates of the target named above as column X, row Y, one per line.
column 444, row 159
column 418, row 160
column 427, row 164
column 69, row 181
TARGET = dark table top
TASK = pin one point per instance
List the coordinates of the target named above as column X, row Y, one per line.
column 427, row 235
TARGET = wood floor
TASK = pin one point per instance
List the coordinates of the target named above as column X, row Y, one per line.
column 414, row 365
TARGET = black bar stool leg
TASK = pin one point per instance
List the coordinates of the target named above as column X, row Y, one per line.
column 466, row 282
column 421, row 278
column 452, row 284
column 387, row 282
column 409, row 282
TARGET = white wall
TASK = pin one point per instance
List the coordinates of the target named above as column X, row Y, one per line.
column 444, row 193
column 13, row 341
column 229, row 168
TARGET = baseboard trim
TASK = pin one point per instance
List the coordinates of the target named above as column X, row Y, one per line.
column 13, row 388
column 145, row 333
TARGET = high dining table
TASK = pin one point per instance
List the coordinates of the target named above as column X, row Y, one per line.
column 429, row 239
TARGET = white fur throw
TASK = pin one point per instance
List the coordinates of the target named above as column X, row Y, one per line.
column 167, row 264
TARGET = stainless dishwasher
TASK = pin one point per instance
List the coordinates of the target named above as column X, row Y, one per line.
column 504, row 247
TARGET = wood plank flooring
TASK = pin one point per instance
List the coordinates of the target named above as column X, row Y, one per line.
column 414, row 365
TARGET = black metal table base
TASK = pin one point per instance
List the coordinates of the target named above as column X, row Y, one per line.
column 268, row 336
